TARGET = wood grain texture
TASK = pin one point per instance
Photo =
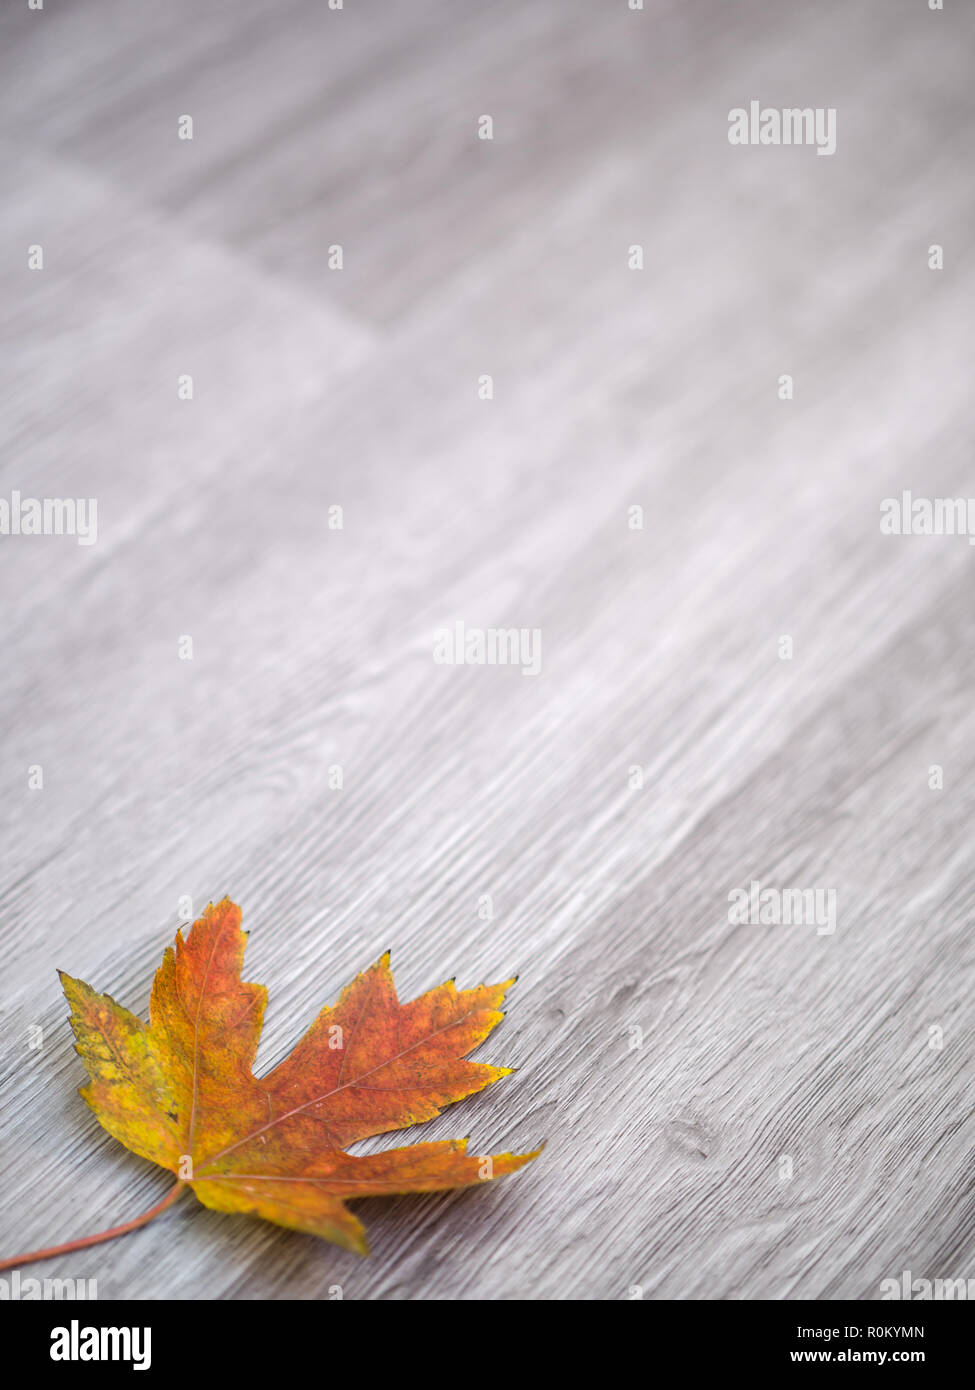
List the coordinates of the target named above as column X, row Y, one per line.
column 313, row 647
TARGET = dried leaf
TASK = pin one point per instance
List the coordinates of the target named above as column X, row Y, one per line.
column 181, row 1090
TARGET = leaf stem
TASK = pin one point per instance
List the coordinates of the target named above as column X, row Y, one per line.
column 110, row 1234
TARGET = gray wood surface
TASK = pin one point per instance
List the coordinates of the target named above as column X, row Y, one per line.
column 669, row 1059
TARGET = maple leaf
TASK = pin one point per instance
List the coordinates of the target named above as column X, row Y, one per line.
column 181, row 1091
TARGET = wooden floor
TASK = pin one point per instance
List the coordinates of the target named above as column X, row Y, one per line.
column 676, row 1065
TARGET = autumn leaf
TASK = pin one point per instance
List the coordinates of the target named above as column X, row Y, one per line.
column 181, row 1091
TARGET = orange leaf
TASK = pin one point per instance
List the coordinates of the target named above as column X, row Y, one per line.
column 181, row 1090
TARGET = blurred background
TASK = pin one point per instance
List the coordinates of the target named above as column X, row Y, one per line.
column 263, row 350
